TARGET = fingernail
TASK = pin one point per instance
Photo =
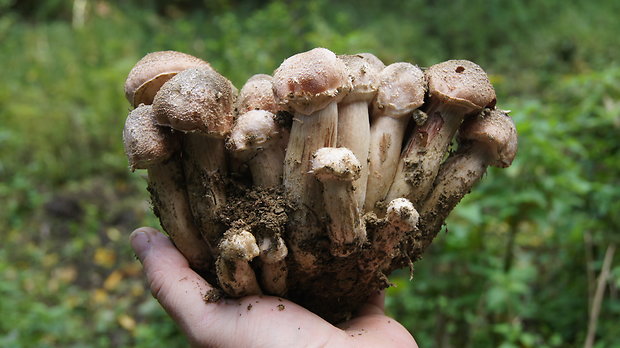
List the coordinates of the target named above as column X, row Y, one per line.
column 140, row 242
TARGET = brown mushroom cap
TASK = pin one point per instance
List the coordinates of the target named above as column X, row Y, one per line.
column 401, row 90
column 309, row 81
column 495, row 130
column 153, row 70
column 197, row 100
column 462, row 84
column 257, row 94
column 364, row 70
column 146, row 143
column 335, row 164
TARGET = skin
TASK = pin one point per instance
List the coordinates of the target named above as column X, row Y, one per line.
column 269, row 322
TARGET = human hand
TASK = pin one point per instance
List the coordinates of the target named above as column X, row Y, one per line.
column 252, row 321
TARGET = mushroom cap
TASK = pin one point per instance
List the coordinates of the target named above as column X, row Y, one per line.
column 153, row 70
column 253, row 130
column 197, row 100
column 494, row 130
column 364, row 70
column 335, row 164
column 309, row 81
column 273, row 249
column 401, row 90
column 402, row 210
column 146, row 143
column 257, row 94
column 238, row 245
column 461, row 84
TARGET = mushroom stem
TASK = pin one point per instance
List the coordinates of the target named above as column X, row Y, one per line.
column 273, row 254
column 489, row 138
column 266, row 166
column 205, row 170
column 236, row 276
column 354, row 134
column 336, row 169
column 171, row 205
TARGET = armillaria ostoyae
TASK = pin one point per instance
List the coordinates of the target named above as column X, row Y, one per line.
column 310, row 84
column 300, row 223
column 353, row 116
column 154, row 148
column 456, row 88
column 336, row 169
column 486, row 139
column 401, row 91
column 200, row 102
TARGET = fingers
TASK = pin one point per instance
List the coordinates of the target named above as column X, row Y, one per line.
column 177, row 287
column 374, row 305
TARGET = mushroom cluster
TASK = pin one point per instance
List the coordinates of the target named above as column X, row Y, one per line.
column 317, row 182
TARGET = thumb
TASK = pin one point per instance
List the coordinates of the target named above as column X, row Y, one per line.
column 173, row 283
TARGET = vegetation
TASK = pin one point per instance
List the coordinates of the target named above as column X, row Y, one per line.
column 518, row 264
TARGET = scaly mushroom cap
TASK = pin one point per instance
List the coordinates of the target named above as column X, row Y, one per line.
column 197, row 100
column 335, row 163
column 253, row 130
column 401, row 209
column 155, row 69
column 364, row 70
column 309, row 81
column 257, row 94
column 238, row 245
column 401, row 90
column 146, row 143
column 462, row 84
column 495, row 130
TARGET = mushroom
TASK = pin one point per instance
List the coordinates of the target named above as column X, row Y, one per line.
column 273, row 254
column 336, row 169
column 155, row 69
column 257, row 94
column 310, row 84
column 400, row 219
column 457, row 88
column 200, row 102
column 353, row 117
column 257, row 139
column 489, row 138
column 154, row 148
column 236, row 276
column 401, row 90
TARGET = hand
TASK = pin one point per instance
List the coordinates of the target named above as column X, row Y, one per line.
column 253, row 321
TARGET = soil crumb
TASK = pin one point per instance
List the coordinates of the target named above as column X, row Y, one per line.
column 281, row 307
column 212, row 296
column 250, row 307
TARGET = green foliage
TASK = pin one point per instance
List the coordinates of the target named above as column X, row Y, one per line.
column 516, row 264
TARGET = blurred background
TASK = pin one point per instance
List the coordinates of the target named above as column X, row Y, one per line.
column 527, row 259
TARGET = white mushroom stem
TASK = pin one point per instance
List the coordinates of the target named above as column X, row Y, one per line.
column 258, row 139
column 401, row 90
column 273, row 254
column 401, row 219
column 336, row 169
column 236, row 276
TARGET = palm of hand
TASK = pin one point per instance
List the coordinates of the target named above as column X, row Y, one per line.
column 253, row 321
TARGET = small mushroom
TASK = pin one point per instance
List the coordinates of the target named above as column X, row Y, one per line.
column 336, row 169
column 236, row 276
column 310, row 84
column 487, row 139
column 155, row 69
column 151, row 147
column 274, row 271
column 353, row 116
column 401, row 91
column 257, row 139
column 200, row 102
column 457, row 88
column 257, row 94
